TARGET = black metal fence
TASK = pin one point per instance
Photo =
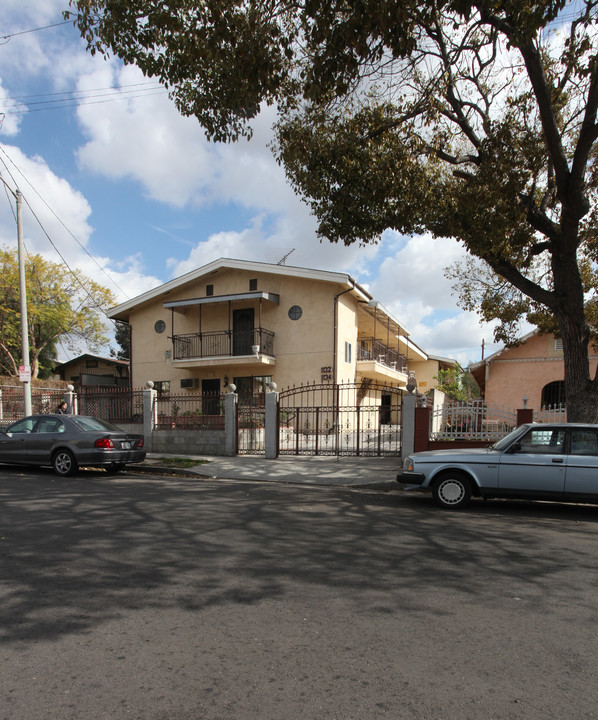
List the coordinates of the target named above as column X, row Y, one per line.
column 190, row 412
column 115, row 404
column 43, row 400
column 340, row 419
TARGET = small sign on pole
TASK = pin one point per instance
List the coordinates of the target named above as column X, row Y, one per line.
column 25, row 373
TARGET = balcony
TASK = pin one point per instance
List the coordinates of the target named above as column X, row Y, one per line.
column 224, row 347
column 376, row 358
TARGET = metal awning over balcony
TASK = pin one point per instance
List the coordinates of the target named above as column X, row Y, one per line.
column 212, row 299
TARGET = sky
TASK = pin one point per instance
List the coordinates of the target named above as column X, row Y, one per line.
column 117, row 184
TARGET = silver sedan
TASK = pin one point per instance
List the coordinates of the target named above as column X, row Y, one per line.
column 65, row 442
column 535, row 461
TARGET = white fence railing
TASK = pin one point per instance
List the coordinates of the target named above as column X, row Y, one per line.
column 471, row 421
column 551, row 414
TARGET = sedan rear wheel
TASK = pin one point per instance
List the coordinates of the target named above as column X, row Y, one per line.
column 452, row 490
column 64, row 463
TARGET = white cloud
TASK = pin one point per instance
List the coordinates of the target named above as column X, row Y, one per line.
column 49, row 204
column 55, row 215
column 10, row 118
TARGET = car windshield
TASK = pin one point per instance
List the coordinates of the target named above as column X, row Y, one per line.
column 93, row 424
column 504, row 443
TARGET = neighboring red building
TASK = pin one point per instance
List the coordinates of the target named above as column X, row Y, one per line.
column 534, row 370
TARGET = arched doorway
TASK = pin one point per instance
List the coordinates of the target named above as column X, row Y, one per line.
column 553, row 394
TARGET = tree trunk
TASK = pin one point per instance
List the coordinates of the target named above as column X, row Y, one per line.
column 581, row 389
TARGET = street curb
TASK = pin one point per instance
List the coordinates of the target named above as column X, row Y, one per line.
column 183, row 472
column 383, row 485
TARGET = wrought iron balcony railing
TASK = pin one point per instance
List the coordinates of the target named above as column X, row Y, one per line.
column 223, row 343
column 373, row 349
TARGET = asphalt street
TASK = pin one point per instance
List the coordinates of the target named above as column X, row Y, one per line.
column 169, row 598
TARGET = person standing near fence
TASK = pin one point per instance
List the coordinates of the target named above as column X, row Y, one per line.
column 62, row 408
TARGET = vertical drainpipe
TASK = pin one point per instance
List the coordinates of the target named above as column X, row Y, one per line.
column 230, row 335
column 334, row 349
column 172, row 330
column 259, row 340
column 130, row 355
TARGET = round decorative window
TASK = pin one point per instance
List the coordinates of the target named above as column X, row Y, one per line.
column 295, row 312
column 160, row 326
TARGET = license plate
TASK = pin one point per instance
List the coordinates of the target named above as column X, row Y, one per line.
column 126, row 445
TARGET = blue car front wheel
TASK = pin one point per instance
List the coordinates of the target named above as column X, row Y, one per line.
column 452, row 490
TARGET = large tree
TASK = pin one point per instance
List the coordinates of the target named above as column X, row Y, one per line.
column 62, row 305
column 472, row 120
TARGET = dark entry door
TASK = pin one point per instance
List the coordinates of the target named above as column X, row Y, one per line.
column 210, row 396
column 242, row 331
column 385, row 403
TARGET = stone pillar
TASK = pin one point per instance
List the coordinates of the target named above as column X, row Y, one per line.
column 408, row 423
column 70, row 397
column 150, row 411
column 230, row 422
column 271, row 425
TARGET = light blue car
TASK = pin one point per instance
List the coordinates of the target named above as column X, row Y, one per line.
column 534, row 461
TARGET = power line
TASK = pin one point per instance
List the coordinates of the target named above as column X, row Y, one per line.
column 63, row 225
column 77, row 92
column 74, row 102
column 6, row 38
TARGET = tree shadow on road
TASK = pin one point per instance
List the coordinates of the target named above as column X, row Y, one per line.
column 78, row 552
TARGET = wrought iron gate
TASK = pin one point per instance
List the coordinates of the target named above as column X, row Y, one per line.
column 251, row 428
column 340, row 419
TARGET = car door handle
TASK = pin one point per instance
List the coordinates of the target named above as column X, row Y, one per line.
column 557, row 460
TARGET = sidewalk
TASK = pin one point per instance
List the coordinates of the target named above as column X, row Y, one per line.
column 366, row 472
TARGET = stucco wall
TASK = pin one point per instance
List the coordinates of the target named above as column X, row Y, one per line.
column 525, row 371
column 301, row 347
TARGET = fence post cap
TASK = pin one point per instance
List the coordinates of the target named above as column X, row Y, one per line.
column 149, row 384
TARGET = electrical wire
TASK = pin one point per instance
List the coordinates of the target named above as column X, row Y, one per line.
column 76, row 278
column 3, row 151
column 6, row 38
column 74, row 102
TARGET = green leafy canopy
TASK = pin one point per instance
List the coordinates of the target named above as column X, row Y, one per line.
column 62, row 305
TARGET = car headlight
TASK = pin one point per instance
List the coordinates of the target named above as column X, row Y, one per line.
column 408, row 465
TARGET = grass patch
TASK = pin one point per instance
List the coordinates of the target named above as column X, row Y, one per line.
column 181, row 462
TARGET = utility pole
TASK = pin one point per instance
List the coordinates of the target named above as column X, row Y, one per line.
column 25, row 369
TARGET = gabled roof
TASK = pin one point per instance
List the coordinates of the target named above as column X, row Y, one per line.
column 121, row 312
column 111, row 360
column 498, row 353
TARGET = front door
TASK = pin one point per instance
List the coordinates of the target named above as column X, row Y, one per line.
column 385, row 401
column 243, row 331
column 210, row 396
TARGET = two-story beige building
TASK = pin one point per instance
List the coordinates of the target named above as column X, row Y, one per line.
column 253, row 324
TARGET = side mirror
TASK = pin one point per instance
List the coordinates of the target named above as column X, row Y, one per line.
column 515, row 448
